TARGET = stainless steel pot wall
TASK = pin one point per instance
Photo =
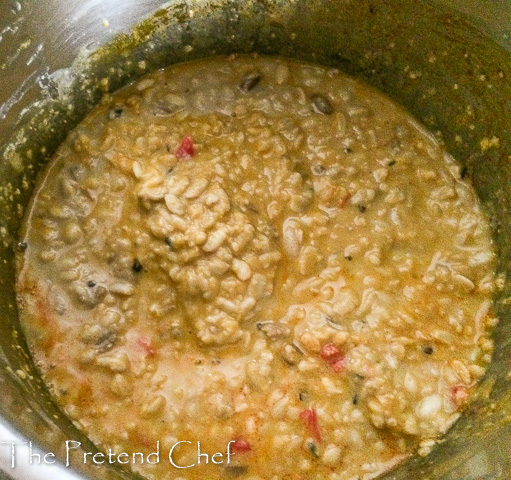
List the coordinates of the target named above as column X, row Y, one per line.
column 451, row 70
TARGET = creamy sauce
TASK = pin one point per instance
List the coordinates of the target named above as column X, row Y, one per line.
column 258, row 250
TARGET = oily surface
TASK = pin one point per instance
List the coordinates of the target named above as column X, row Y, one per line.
column 257, row 250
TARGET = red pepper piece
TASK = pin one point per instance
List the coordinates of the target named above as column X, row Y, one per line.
column 344, row 200
column 339, row 365
column 241, row 446
column 329, row 352
column 310, row 419
column 147, row 345
column 186, row 149
column 459, row 395
column 333, row 357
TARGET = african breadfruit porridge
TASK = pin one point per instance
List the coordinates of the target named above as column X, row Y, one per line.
column 263, row 252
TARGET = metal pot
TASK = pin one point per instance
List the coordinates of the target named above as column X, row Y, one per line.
column 451, row 69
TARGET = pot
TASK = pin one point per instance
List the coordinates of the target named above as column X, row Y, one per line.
column 448, row 62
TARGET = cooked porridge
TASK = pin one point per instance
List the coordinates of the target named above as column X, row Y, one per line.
column 263, row 252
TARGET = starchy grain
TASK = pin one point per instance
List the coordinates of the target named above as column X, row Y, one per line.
column 259, row 250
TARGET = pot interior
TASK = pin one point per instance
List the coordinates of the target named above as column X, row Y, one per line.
column 439, row 64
